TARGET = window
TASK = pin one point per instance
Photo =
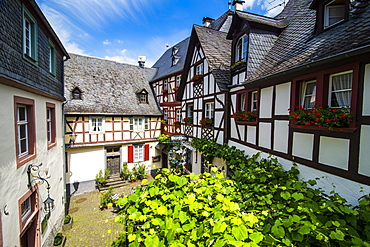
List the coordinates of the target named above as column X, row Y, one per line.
column 253, row 101
column 165, row 85
column 178, row 80
column 189, row 110
column 340, row 89
column 25, row 130
column 29, row 36
column 25, row 208
column 334, row 12
column 28, row 213
column 308, row 95
column 143, row 98
column 52, row 69
column 199, row 69
column 242, row 102
column 96, row 125
column 241, row 49
column 50, row 125
column 76, row 93
column 165, row 114
column 139, row 124
column 138, row 153
column 209, row 110
column 178, row 115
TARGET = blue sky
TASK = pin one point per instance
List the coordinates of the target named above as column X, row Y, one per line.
column 122, row 30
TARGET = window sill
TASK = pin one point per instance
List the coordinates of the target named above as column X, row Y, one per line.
column 25, row 159
column 346, row 130
column 246, row 122
column 51, row 145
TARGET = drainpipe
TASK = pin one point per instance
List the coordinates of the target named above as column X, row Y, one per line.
column 64, row 146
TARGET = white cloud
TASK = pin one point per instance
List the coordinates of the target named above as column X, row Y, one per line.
column 272, row 7
column 106, row 42
column 122, row 57
column 248, row 4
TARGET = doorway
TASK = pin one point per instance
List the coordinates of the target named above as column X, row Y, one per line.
column 113, row 157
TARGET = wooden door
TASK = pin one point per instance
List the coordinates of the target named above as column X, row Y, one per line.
column 113, row 161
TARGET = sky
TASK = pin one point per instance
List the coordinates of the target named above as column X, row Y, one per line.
column 122, row 30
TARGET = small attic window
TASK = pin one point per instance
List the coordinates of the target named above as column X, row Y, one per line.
column 334, row 12
column 76, row 93
column 143, row 97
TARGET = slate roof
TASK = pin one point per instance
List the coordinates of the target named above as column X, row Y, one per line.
column 107, row 87
column 278, row 23
column 299, row 45
column 217, row 50
column 164, row 63
column 223, row 22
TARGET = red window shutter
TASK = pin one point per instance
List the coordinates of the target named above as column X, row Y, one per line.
column 130, row 154
column 146, row 152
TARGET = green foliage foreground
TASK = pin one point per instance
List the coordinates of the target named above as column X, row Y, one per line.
column 261, row 205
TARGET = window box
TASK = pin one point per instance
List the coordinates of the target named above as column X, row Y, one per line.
column 206, row 122
column 188, row 120
column 327, row 118
column 240, row 65
column 241, row 122
column 245, row 116
column 164, row 91
column 345, row 130
column 175, row 88
column 197, row 79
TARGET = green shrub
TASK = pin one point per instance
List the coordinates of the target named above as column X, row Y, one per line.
column 67, row 219
column 58, row 239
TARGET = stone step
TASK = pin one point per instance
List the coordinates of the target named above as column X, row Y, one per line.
column 115, row 183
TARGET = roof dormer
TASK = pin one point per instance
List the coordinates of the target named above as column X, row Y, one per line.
column 330, row 13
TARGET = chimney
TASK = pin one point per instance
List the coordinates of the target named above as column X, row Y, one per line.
column 141, row 60
column 238, row 5
column 207, row 21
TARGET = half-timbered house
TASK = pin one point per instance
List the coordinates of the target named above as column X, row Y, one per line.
column 31, row 120
column 203, row 87
column 111, row 118
column 314, row 56
column 166, row 83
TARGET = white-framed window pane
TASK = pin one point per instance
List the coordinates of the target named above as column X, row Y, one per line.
column 27, row 26
column 178, row 80
column 245, row 47
column 138, row 153
column 26, row 208
column 199, row 69
column 178, row 115
column 49, row 125
column 308, row 94
column 254, row 101
column 340, row 89
column 189, row 111
column 165, row 114
column 165, row 85
column 22, row 125
column 97, row 124
column 242, row 101
column 334, row 12
column 209, row 110
column 138, row 124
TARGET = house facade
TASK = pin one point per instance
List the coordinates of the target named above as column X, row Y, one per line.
column 111, row 118
column 307, row 61
column 31, row 146
column 203, row 89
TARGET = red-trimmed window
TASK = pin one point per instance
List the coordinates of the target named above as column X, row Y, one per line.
column 247, row 100
column 137, row 153
column 25, row 129
column 28, row 211
column 336, row 87
column 50, row 125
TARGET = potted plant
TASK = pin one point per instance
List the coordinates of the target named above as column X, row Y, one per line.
column 140, row 171
column 206, row 122
column 106, row 198
column 163, row 121
column 197, row 78
column 175, row 88
column 102, row 177
column 188, row 120
column 59, row 240
column 247, row 116
column 125, row 172
column 177, row 122
column 133, row 178
column 68, row 222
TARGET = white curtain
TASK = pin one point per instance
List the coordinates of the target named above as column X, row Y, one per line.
column 341, row 90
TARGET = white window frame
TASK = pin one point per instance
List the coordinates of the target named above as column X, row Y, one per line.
column 331, row 91
column 138, row 153
column 49, row 127
column 241, row 48
column 327, row 16
column 94, row 122
column 304, row 95
column 29, row 36
column 178, row 80
column 26, row 208
column 254, row 100
column 190, row 110
column 199, row 69
column 209, row 110
column 178, row 114
column 165, row 85
column 139, row 124
column 143, row 98
column 165, row 114
column 52, row 69
column 22, row 123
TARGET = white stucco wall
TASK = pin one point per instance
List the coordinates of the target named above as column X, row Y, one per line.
column 364, row 161
column 264, row 136
column 266, row 103
column 334, row 152
column 282, row 99
column 303, row 145
column 13, row 180
column 348, row 189
column 366, row 92
column 281, row 134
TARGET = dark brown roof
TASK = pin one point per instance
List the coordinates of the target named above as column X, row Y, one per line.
column 107, row 87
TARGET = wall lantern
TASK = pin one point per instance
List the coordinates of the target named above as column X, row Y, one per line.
column 72, row 138
column 35, row 177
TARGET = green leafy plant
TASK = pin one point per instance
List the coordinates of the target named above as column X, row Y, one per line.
column 106, row 198
column 237, row 64
column 329, row 118
column 250, row 116
column 67, row 219
column 58, row 239
column 140, row 170
column 163, row 138
column 206, row 122
column 102, row 176
column 125, row 172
